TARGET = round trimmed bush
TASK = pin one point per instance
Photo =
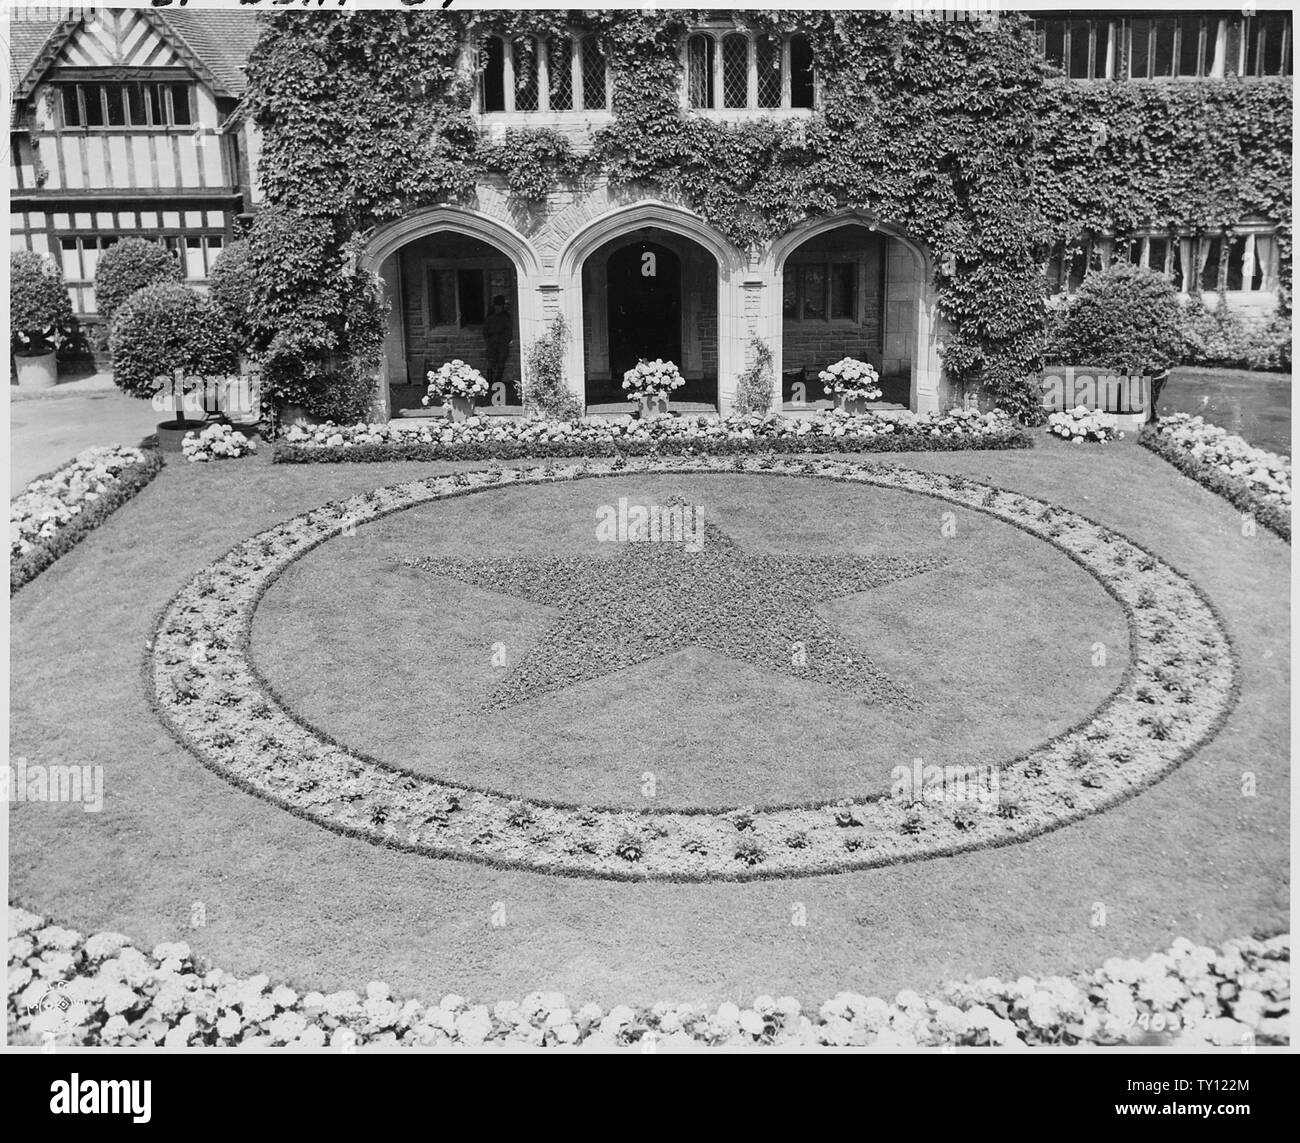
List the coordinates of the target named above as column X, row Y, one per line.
column 40, row 313
column 231, row 287
column 130, row 265
column 167, row 327
column 1125, row 318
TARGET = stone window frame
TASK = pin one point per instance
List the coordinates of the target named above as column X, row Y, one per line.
column 718, row 34
column 429, row 267
column 793, row 270
column 542, row 44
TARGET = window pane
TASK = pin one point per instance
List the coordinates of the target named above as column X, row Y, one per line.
column 801, row 72
column 768, row 63
column 1232, row 48
column 1274, row 28
column 135, row 104
column 494, row 81
column 1162, row 31
column 71, row 250
column 699, row 66
column 153, row 93
column 194, row 258
column 71, row 109
column 89, row 259
column 1235, row 252
column 94, row 95
column 442, row 297
column 1139, row 63
column 213, row 251
column 559, row 70
column 470, row 286
column 1211, row 248
column 814, row 292
column 525, row 60
column 1054, row 41
column 790, row 294
column 1157, row 254
column 1189, row 50
column 844, row 290
column 735, row 71
column 593, row 75
column 116, row 105
column 1079, row 42
column 181, row 103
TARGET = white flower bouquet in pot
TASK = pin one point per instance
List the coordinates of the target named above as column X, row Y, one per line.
column 650, row 383
column 456, row 384
column 852, row 382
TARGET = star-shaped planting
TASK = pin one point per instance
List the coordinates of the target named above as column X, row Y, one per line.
column 656, row 598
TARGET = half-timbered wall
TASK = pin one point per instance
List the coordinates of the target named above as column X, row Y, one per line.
column 124, row 140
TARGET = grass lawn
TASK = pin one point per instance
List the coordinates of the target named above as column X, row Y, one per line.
column 1250, row 404
column 996, row 648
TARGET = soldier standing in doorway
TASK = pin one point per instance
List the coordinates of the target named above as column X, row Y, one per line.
column 498, row 331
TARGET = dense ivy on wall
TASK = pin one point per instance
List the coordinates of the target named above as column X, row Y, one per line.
column 956, row 132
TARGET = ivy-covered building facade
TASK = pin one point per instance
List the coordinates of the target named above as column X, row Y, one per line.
column 731, row 188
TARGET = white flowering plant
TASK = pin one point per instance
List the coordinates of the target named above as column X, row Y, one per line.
column 216, row 442
column 1083, row 424
column 851, row 379
column 655, row 378
column 455, row 378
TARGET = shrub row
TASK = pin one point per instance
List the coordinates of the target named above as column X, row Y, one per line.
column 501, row 439
column 56, row 512
column 1173, row 439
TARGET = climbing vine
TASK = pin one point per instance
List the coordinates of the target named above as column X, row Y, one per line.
column 959, row 133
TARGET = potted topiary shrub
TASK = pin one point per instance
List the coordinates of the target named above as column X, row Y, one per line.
column 129, row 265
column 40, row 316
column 165, row 332
column 1125, row 318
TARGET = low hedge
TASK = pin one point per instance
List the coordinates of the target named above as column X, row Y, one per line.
column 364, row 444
column 1233, row 489
column 129, row 481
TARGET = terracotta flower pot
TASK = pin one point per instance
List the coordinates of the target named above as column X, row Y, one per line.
column 851, row 405
column 462, row 408
column 39, row 371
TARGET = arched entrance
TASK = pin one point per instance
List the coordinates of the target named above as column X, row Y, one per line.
column 650, row 294
column 851, row 287
column 442, row 268
column 703, row 329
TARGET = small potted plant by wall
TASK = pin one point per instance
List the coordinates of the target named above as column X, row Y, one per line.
column 649, row 384
column 162, row 333
column 852, row 382
column 40, row 316
column 456, row 385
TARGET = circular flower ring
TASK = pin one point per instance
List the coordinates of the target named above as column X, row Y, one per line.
column 1175, row 694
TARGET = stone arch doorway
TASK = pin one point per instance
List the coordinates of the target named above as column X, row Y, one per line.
column 650, row 294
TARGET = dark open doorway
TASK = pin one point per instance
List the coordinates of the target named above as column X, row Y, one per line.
column 645, row 308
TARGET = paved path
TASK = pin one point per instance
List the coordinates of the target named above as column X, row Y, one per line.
column 45, row 431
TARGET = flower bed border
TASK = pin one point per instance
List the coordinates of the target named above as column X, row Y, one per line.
column 417, row 794
column 1221, row 997
column 1233, row 489
column 910, row 439
column 130, row 481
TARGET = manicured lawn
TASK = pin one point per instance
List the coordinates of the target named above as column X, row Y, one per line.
column 1256, row 406
column 388, row 661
